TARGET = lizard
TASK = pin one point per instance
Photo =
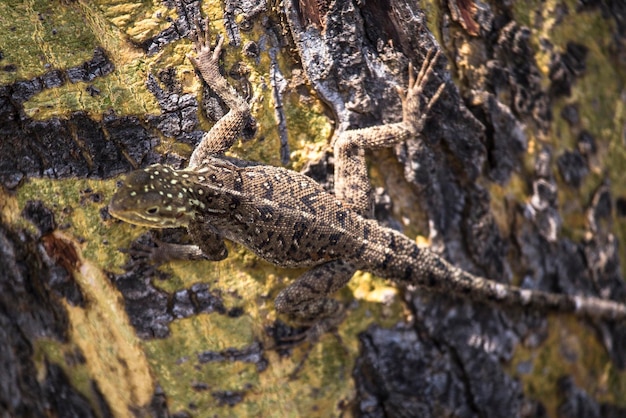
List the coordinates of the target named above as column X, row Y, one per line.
column 289, row 220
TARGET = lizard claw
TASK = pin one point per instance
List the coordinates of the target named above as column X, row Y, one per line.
column 142, row 258
column 414, row 112
column 150, row 250
column 310, row 336
column 205, row 55
column 146, row 249
column 287, row 337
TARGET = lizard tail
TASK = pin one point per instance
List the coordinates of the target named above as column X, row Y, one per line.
column 436, row 273
column 410, row 264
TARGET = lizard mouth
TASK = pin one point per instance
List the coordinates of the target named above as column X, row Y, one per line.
column 151, row 222
column 118, row 210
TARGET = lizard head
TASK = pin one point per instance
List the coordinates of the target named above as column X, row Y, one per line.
column 157, row 197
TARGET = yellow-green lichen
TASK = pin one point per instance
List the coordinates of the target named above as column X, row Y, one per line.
column 244, row 281
column 69, row 357
column 99, row 331
column 39, row 35
column 571, row 349
column 596, row 94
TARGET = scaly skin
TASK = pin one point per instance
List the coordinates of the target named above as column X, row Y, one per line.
column 287, row 219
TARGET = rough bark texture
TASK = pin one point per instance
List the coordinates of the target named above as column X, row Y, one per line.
column 518, row 176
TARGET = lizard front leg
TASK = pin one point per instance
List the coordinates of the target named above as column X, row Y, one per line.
column 226, row 130
column 306, row 301
column 210, row 246
column 209, row 241
column 352, row 185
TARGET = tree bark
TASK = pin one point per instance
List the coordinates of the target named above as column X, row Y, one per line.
column 517, row 176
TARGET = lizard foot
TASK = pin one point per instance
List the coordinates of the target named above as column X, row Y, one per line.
column 150, row 250
column 414, row 112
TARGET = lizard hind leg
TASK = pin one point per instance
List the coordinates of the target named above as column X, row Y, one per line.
column 306, row 301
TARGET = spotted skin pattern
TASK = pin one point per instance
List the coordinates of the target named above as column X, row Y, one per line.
column 288, row 219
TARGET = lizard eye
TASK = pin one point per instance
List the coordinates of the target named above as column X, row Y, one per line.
column 153, row 210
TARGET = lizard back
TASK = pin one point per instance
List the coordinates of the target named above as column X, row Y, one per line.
column 285, row 217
